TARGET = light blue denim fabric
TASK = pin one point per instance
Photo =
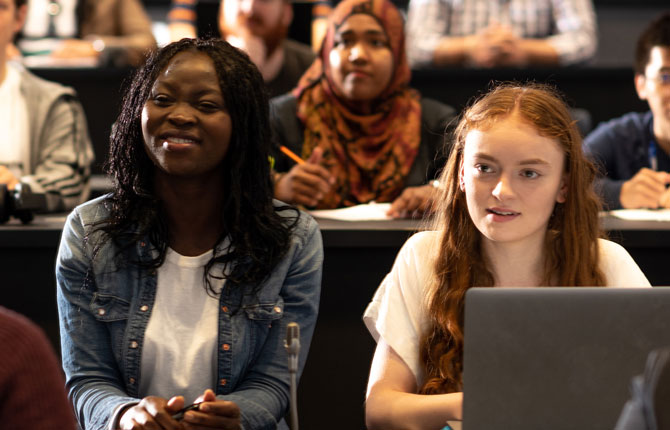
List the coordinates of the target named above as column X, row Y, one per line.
column 104, row 307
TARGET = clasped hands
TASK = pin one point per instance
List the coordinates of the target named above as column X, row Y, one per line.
column 496, row 45
column 306, row 184
column 8, row 178
column 155, row 413
column 647, row 189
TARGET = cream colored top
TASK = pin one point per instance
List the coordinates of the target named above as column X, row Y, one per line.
column 397, row 310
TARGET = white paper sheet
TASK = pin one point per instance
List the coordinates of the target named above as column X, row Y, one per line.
column 367, row 212
column 642, row 214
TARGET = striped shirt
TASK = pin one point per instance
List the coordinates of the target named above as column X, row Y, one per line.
column 568, row 25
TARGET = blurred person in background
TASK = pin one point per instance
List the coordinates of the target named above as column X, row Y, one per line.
column 32, row 390
column 105, row 32
column 258, row 27
column 365, row 134
column 44, row 140
column 633, row 151
column 502, row 33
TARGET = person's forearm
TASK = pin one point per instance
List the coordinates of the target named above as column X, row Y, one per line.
column 452, row 50
column 405, row 411
column 539, row 52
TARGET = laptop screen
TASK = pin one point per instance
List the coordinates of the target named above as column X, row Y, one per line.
column 557, row 358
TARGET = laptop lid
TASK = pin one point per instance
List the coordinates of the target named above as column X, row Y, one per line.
column 557, row 358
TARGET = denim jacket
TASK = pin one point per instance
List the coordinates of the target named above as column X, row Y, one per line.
column 104, row 307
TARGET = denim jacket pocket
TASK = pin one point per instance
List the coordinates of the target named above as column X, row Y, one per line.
column 109, row 308
column 265, row 311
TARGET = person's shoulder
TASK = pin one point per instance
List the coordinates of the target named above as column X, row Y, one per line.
column 284, row 102
column 302, row 224
column 32, row 82
column 17, row 331
column 609, row 248
column 299, row 48
column 619, row 268
column 624, row 133
column 435, row 113
column 299, row 53
column 91, row 212
column 628, row 123
column 636, row 119
column 421, row 245
column 432, row 105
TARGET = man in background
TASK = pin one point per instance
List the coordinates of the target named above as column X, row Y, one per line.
column 44, row 140
column 260, row 28
column 633, row 151
column 501, row 33
column 104, row 32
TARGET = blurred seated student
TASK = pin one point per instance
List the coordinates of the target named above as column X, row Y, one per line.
column 258, row 27
column 364, row 133
column 178, row 286
column 44, row 140
column 634, row 150
column 111, row 32
column 32, row 391
column 516, row 209
column 509, row 33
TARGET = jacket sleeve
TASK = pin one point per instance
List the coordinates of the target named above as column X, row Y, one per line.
column 93, row 379
column 576, row 38
column 64, row 156
column 427, row 24
column 263, row 394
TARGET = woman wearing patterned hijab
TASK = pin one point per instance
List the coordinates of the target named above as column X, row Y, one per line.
column 364, row 133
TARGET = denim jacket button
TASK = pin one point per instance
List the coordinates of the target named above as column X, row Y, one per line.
column 224, row 308
column 144, row 308
column 277, row 309
column 131, row 380
column 225, row 347
column 222, row 382
column 101, row 311
column 134, row 344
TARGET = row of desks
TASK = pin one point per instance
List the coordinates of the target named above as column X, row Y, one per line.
column 357, row 256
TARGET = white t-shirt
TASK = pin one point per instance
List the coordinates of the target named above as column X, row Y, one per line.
column 14, row 130
column 397, row 310
column 179, row 355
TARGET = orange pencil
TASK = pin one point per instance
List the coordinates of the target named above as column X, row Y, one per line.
column 292, row 155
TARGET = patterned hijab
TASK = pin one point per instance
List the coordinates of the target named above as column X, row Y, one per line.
column 369, row 155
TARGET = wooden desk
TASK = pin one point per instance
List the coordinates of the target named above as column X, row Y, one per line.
column 357, row 257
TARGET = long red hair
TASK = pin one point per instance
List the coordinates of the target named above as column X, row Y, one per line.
column 572, row 236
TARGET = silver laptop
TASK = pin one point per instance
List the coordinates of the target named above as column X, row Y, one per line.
column 556, row 358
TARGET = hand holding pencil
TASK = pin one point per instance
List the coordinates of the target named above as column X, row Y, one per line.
column 307, row 182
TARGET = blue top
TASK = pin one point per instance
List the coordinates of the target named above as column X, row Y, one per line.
column 620, row 148
column 104, row 306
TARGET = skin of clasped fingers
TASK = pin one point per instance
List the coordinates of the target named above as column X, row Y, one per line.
column 665, row 199
column 6, row 177
column 217, row 414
